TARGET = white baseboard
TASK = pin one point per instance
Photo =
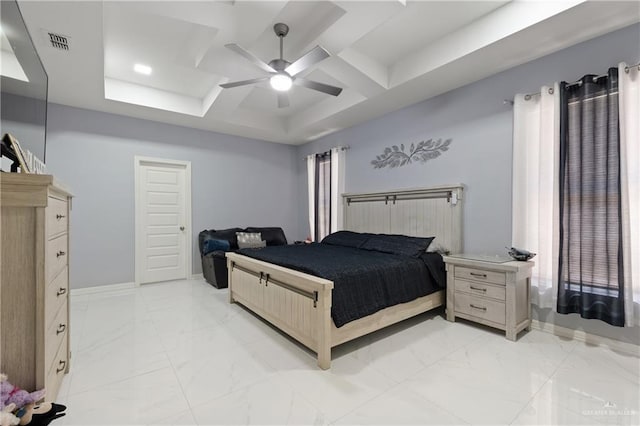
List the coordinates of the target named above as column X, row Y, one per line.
column 588, row 338
column 102, row 289
column 115, row 287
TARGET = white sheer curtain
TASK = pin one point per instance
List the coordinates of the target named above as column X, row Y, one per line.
column 338, row 157
column 535, row 209
column 311, row 184
column 629, row 98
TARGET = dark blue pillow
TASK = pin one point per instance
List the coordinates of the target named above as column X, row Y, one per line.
column 402, row 245
column 227, row 235
column 212, row 244
column 346, row 239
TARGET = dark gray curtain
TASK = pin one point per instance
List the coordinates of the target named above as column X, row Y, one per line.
column 590, row 264
column 323, row 195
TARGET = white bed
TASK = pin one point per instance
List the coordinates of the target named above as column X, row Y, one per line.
column 299, row 304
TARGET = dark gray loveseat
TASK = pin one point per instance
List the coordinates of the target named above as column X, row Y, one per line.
column 214, row 263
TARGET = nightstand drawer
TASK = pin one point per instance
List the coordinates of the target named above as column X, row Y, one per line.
column 486, row 309
column 480, row 275
column 481, row 289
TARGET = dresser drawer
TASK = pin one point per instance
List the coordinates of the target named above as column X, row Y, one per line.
column 55, row 333
column 57, row 216
column 57, row 370
column 480, row 275
column 56, row 256
column 479, row 307
column 480, row 289
column 56, row 295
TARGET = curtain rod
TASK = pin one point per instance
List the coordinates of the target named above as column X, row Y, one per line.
column 626, row 69
column 341, row 148
column 528, row 96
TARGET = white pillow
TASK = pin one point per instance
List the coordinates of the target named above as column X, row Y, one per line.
column 250, row 240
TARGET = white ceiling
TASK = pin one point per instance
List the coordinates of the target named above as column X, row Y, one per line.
column 385, row 54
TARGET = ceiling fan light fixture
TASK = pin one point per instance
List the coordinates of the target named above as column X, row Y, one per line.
column 281, row 82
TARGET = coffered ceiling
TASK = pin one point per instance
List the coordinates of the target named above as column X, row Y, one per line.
column 384, row 54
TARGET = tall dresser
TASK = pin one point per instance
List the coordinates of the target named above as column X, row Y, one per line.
column 34, row 291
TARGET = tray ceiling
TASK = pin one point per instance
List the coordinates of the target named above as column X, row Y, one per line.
column 385, row 55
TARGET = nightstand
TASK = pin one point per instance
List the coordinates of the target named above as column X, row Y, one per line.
column 489, row 290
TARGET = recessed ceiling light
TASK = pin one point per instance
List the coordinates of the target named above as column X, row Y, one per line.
column 142, row 69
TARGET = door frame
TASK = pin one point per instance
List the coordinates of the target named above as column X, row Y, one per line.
column 139, row 161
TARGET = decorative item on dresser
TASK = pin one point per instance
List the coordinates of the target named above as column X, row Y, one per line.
column 34, row 291
column 13, row 151
column 489, row 290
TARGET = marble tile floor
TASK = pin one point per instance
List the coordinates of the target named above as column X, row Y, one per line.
column 179, row 353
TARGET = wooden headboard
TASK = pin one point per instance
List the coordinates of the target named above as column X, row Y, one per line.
column 422, row 212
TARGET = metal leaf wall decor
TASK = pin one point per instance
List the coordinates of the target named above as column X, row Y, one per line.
column 395, row 156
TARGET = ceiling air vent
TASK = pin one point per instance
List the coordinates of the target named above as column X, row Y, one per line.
column 58, row 41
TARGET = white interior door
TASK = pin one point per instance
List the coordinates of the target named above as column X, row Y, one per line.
column 162, row 195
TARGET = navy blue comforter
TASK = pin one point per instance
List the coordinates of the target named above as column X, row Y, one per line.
column 364, row 281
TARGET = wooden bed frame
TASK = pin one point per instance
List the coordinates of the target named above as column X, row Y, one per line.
column 300, row 304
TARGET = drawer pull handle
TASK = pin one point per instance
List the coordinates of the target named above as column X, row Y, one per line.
column 477, row 288
column 264, row 277
column 61, row 328
column 60, row 253
column 61, row 291
column 60, row 216
column 478, row 275
column 482, row 308
column 62, row 364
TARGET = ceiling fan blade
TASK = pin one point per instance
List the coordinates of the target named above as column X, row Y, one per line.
column 243, row 82
column 250, row 56
column 320, row 87
column 283, row 100
column 312, row 57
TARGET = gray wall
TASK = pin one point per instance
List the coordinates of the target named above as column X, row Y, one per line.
column 235, row 182
column 480, row 125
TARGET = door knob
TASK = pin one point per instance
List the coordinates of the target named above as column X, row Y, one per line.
column 182, row 228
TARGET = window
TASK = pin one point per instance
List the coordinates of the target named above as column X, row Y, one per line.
column 590, row 269
column 325, row 174
column 323, row 196
column 576, row 163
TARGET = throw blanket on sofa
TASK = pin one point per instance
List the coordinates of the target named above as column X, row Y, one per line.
column 364, row 281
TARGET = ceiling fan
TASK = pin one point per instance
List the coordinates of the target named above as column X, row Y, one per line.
column 282, row 73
